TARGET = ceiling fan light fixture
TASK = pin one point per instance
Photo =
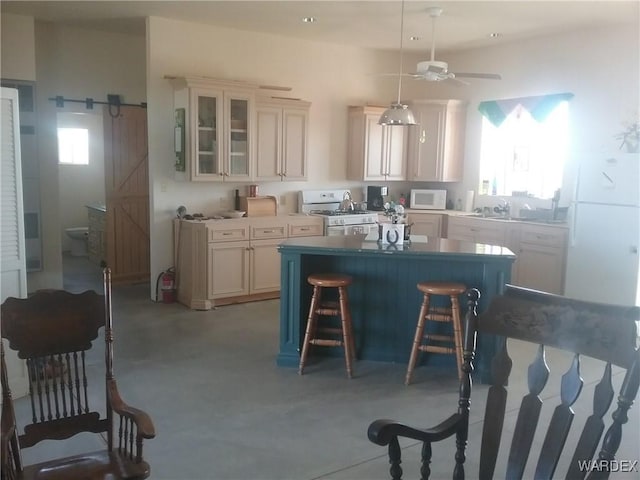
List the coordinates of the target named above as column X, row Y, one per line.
column 397, row 114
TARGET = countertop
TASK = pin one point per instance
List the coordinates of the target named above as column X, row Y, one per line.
column 356, row 244
column 101, row 207
column 497, row 218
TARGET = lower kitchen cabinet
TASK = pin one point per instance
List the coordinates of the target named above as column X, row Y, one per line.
column 235, row 260
column 541, row 250
column 428, row 224
column 228, row 269
column 541, row 253
column 264, row 265
column 477, row 230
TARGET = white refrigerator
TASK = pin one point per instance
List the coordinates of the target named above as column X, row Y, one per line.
column 603, row 263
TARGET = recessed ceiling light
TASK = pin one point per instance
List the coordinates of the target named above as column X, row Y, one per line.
column 414, row 38
column 495, row 35
column 308, row 19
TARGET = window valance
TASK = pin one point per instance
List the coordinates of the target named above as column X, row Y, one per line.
column 538, row 106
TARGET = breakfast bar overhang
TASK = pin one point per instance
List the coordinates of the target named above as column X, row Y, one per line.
column 384, row 299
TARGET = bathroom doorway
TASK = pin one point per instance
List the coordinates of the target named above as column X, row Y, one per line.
column 81, row 182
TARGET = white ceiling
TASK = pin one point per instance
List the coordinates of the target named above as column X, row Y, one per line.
column 372, row 24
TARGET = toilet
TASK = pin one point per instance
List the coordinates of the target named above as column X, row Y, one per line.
column 78, row 236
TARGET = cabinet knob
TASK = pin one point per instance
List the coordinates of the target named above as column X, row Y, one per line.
column 423, row 136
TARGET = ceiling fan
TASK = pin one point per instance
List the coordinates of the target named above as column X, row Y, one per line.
column 437, row 71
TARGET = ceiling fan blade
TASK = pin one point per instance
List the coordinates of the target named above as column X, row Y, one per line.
column 489, row 76
column 457, row 82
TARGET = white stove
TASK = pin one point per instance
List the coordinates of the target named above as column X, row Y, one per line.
column 326, row 203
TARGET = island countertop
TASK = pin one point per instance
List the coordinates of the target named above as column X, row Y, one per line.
column 384, row 300
column 356, row 244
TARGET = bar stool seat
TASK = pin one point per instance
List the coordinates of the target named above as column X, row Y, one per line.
column 438, row 343
column 328, row 336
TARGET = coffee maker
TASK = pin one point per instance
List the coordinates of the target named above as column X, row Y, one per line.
column 375, row 197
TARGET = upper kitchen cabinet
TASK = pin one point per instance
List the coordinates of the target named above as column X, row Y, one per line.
column 436, row 145
column 214, row 122
column 281, row 139
column 375, row 152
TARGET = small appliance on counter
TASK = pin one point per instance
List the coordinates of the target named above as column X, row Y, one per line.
column 266, row 206
column 423, row 199
column 375, row 197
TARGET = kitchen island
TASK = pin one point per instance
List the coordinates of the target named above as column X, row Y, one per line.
column 384, row 300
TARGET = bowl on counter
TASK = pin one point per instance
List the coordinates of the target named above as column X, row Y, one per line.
column 233, row 214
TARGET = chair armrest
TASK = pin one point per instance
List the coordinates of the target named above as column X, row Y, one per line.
column 141, row 419
column 382, row 431
column 7, row 436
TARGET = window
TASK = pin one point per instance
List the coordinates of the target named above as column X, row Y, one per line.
column 73, row 146
column 524, row 154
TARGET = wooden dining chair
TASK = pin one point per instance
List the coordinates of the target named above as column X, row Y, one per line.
column 603, row 332
column 54, row 331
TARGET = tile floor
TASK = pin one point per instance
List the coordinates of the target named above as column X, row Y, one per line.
column 224, row 410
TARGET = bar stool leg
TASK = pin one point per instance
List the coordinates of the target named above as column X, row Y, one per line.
column 347, row 336
column 417, row 339
column 457, row 332
column 311, row 327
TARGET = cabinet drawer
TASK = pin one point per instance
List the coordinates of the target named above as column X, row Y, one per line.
column 263, row 233
column 551, row 237
column 230, row 234
column 310, row 230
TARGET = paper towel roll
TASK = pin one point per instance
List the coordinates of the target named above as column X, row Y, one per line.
column 468, row 204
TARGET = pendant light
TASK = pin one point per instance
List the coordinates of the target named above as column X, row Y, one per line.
column 398, row 114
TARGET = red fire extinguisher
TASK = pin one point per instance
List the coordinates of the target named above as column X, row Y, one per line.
column 167, row 282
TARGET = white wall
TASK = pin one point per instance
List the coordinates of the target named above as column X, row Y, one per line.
column 17, row 47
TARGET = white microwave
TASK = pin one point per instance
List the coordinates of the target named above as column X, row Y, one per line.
column 428, row 199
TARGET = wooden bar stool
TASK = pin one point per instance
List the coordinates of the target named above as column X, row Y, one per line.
column 316, row 335
column 435, row 343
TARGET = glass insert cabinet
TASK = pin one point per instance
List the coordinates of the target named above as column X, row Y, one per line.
column 218, row 123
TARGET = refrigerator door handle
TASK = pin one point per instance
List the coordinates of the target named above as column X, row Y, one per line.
column 574, row 222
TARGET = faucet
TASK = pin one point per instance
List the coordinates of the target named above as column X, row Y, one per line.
column 503, row 209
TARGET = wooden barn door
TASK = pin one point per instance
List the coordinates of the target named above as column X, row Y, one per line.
column 127, row 193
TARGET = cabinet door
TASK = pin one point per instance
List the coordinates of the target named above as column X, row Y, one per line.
column 228, row 269
column 205, row 139
column 427, row 142
column 436, row 146
column 265, row 266
column 541, row 267
column 395, row 153
column 268, row 143
column 425, row 224
column 477, row 230
column 541, row 257
column 238, row 125
column 294, row 144
column 374, row 159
